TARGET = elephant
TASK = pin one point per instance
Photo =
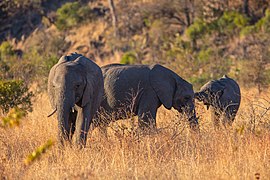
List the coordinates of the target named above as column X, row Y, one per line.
column 141, row 89
column 223, row 97
column 75, row 89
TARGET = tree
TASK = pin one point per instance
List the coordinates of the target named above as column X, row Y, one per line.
column 114, row 17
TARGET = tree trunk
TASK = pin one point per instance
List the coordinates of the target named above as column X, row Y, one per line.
column 114, row 17
column 246, row 7
column 187, row 12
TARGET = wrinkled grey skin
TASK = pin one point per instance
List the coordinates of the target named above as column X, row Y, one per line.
column 142, row 89
column 223, row 97
column 75, row 89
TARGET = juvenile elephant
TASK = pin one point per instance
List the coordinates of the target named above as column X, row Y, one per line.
column 223, row 97
column 75, row 88
column 142, row 89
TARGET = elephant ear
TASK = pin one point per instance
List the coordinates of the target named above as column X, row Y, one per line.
column 70, row 57
column 63, row 59
column 163, row 83
column 91, row 74
column 50, row 87
column 217, row 88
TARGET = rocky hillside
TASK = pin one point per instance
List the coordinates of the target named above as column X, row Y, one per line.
column 200, row 40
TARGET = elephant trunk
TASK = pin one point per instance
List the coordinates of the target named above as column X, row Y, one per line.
column 192, row 119
column 200, row 96
column 63, row 125
column 64, row 109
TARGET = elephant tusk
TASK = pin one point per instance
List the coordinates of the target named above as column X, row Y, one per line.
column 52, row 112
column 73, row 109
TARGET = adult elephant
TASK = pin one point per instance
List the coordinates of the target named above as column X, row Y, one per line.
column 223, row 97
column 142, row 89
column 75, row 88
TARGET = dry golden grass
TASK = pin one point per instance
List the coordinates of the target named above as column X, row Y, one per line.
column 174, row 152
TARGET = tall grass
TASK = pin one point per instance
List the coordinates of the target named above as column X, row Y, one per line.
column 173, row 152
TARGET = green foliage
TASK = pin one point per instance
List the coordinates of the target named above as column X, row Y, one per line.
column 39, row 64
column 6, row 49
column 205, row 55
column 248, row 30
column 71, row 14
column 231, row 21
column 197, row 29
column 15, row 93
column 264, row 23
column 129, row 58
column 38, row 152
column 147, row 22
column 13, row 117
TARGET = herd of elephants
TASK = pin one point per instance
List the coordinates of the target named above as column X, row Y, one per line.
column 84, row 95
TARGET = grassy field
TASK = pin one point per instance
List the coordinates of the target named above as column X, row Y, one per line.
column 174, row 152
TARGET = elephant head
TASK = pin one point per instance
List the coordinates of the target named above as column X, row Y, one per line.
column 71, row 87
column 173, row 91
column 211, row 93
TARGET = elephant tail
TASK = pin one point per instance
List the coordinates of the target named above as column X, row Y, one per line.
column 52, row 112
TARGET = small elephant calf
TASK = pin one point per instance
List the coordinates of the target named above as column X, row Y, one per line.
column 223, row 97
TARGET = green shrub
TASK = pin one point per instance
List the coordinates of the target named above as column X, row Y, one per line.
column 197, row 29
column 71, row 14
column 231, row 21
column 6, row 49
column 248, row 30
column 228, row 23
column 15, row 93
column 12, row 118
column 205, row 55
column 264, row 23
column 129, row 58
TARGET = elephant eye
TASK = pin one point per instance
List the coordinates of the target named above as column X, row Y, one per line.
column 77, row 86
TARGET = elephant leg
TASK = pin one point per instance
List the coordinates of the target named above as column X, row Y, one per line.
column 147, row 110
column 63, row 132
column 147, row 118
column 229, row 116
column 215, row 117
column 83, row 123
column 72, row 123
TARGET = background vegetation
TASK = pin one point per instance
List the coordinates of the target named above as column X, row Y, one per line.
column 199, row 39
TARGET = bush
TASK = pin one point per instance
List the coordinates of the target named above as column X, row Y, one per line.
column 197, row 29
column 71, row 14
column 264, row 23
column 231, row 21
column 6, row 49
column 205, row 55
column 129, row 58
column 14, row 93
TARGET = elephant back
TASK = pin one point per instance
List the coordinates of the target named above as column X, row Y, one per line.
column 232, row 88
